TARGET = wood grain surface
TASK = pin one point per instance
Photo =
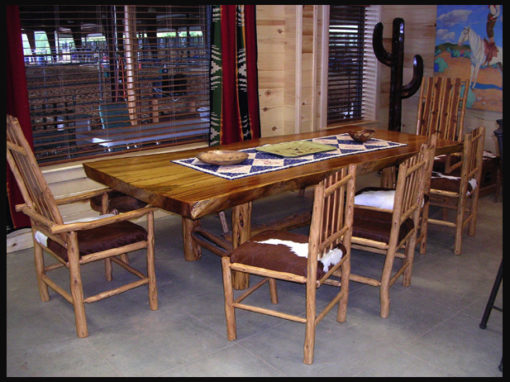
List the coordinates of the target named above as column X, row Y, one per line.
column 194, row 194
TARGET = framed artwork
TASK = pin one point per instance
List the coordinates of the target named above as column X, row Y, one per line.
column 469, row 45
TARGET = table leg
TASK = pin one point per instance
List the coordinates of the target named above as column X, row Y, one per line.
column 192, row 250
column 241, row 231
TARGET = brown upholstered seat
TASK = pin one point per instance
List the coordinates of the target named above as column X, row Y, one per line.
column 102, row 238
column 279, row 257
column 376, row 225
column 450, row 183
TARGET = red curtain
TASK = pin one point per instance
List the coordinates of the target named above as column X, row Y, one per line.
column 17, row 102
column 234, row 79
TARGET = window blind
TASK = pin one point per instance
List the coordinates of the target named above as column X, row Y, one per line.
column 352, row 64
column 115, row 78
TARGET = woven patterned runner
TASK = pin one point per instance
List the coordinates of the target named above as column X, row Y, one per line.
column 259, row 162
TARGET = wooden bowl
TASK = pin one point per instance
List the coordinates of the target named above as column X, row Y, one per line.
column 362, row 135
column 222, row 157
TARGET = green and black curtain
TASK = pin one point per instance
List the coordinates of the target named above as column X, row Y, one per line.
column 234, row 82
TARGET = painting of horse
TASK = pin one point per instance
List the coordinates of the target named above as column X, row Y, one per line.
column 479, row 54
column 469, row 45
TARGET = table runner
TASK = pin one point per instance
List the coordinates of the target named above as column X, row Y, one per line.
column 259, row 162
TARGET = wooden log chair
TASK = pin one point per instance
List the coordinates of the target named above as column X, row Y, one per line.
column 80, row 242
column 313, row 260
column 441, row 109
column 387, row 225
column 459, row 189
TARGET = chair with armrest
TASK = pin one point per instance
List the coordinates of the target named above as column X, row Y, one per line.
column 386, row 228
column 459, row 188
column 74, row 244
column 312, row 260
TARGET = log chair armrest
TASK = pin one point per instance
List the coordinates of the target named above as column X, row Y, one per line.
column 34, row 215
column 79, row 226
column 449, row 168
column 81, row 197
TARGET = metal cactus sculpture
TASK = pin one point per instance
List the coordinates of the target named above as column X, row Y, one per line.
column 395, row 60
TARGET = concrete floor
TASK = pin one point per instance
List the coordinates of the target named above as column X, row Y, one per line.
column 432, row 330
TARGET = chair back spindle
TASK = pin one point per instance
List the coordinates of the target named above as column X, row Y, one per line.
column 441, row 107
column 33, row 186
column 332, row 215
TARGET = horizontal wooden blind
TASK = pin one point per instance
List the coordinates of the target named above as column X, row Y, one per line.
column 349, row 65
column 110, row 78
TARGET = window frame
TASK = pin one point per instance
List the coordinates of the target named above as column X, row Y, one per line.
column 368, row 84
column 198, row 129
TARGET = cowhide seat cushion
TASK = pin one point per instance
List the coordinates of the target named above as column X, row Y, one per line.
column 117, row 201
column 376, row 225
column 283, row 251
column 440, row 181
column 379, row 197
column 103, row 238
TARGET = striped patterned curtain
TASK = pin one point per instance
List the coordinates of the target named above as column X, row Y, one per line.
column 234, row 81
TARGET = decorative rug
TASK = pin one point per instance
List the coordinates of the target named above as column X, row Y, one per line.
column 259, row 162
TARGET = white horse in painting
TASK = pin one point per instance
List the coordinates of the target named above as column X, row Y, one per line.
column 477, row 46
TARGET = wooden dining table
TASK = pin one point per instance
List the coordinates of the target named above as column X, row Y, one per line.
column 193, row 194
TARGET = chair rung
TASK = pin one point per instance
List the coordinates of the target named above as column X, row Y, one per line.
column 128, row 268
column 251, row 290
column 270, row 312
column 112, row 252
column 57, row 288
column 441, row 222
column 113, row 292
column 364, row 280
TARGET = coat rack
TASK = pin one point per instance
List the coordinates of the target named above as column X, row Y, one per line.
column 395, row 60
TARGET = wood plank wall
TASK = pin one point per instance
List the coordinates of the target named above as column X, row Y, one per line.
column 276, row 29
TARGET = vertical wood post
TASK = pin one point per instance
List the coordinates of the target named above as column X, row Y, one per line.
column 76, row 285
column 192, row 250
column 241, row 231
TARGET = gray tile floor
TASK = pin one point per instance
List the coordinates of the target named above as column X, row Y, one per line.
column 433, row 327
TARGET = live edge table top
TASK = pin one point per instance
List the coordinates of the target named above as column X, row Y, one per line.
column 155, row 179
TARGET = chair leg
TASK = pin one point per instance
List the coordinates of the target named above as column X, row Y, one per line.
column 424, row 228
column 223, row 222
column 409, row 260
column 474, row 212
column 311, row 290
column 344, row 288
column 76, row 287
column 39, row 269
column 108, row 269
column 272, row 291
column 384, row 289
column 228, row 290
column 457, row 249
column 151, row 269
